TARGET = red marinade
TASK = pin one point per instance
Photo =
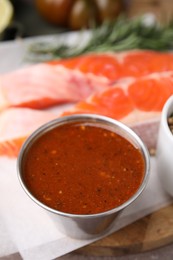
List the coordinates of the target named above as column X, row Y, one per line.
column 83, row 169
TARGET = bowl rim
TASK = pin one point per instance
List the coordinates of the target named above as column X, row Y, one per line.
column 166, row 112
column 97, row 118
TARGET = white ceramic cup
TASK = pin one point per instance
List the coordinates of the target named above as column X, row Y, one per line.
column 164, row 152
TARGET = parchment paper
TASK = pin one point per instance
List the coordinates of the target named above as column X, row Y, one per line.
column 28, row 229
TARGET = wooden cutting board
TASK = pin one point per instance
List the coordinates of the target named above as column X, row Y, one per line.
column 150, row 232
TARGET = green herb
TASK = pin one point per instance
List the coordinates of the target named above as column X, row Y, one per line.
column 122, row 34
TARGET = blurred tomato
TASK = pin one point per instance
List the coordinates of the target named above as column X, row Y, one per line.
column 55, row 11
column 77, row 14
column 83, row 14
column 109, row 9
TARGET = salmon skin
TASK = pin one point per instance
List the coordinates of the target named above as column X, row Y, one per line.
column 135, row 102
column 123, row 64
column 40, row 86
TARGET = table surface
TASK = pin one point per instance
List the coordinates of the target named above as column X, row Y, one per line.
column 37, row 26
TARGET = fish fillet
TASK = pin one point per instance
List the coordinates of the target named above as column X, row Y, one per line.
column 114, row 66
column 16, row 124
column 42, row 85
column 72, row 80
column 135, row 102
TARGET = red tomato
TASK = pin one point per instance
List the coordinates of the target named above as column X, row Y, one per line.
column 55, row 11
column 83, row 14
column 109, row 9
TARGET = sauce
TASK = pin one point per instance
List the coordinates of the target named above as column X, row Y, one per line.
column 82, row 168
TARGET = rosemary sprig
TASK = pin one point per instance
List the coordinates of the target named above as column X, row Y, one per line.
column 122, row 34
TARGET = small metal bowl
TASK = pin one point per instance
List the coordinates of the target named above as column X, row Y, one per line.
column 92, row 225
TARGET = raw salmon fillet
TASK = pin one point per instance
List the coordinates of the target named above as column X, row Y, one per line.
column 135, row 102
column 119, row 65
column 16, row 124
column 42, row 85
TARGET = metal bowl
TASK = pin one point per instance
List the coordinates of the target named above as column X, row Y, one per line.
column 90, row 225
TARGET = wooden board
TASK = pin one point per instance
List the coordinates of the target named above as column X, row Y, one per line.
column 150, row 232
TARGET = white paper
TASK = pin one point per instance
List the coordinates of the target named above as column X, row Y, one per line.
column 28, row 229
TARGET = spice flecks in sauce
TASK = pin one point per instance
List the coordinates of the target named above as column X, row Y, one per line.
column 83, row 169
